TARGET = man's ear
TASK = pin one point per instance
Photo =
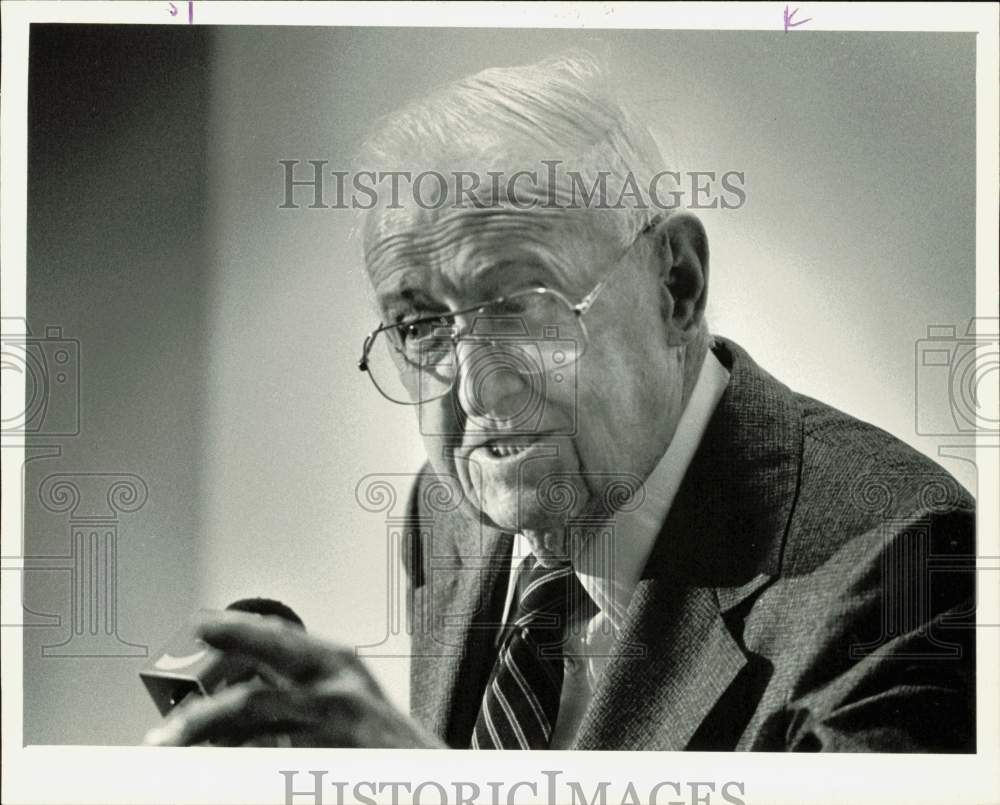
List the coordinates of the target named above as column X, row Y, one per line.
column 682, row 251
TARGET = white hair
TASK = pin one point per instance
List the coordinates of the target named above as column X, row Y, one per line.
column 510, row 118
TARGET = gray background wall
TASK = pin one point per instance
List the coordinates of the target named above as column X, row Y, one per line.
column 219, row 333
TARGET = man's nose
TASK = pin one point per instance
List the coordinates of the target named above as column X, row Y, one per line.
column 497, row 385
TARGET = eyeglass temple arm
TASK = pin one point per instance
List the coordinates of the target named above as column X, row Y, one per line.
column 585, row 304
column 363, row 360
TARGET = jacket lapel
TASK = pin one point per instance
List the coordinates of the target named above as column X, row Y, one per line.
column 690, row 659
column 678, row 652
column 457, row 601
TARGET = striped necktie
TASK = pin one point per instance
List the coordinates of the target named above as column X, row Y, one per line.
column 521, row 701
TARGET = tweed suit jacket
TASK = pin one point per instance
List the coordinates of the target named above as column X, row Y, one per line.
column 811, row 589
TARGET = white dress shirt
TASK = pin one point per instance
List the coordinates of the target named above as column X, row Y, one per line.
column 611, row 583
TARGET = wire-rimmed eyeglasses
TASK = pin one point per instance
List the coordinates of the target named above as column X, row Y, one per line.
column 537, row 330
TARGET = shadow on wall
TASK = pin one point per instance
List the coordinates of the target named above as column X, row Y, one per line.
column 116, row 276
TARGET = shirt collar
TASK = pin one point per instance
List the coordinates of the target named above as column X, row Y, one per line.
column 609, row 569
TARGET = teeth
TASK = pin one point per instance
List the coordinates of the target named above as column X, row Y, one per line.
column 504, row 450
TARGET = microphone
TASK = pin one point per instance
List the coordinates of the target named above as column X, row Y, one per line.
column 188, row 666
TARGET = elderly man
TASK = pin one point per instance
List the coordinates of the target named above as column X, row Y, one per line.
column 628, row 535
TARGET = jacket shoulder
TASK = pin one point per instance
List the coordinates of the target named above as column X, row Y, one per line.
column 857, row 480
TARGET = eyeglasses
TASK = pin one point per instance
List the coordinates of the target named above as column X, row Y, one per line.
column 532, row 332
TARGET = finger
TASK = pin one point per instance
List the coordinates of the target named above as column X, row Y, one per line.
column 267, row 719
column 186, row 720
column 231, row 717
column 290, row 652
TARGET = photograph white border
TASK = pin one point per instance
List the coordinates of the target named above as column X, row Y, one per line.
column 50, row 774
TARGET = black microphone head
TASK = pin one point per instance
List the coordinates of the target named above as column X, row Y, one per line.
column 267, row 606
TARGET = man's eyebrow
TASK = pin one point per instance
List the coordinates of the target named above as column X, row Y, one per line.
column 408, row 297
column 488, row 277
column 492, row 272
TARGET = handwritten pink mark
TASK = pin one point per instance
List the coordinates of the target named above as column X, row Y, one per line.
column 190, row 5
column 790, row 23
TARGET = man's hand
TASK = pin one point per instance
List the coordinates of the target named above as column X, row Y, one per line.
column 321, row 694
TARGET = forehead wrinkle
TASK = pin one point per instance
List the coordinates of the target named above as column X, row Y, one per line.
column 460, row 245
column 421, row 234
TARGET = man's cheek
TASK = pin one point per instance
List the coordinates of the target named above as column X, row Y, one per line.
column 440, row 429
column 595, row 404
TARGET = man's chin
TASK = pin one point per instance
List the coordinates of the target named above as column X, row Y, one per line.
column 545, row 530
column 502, row 513
column 507, row 515
column 528, row 507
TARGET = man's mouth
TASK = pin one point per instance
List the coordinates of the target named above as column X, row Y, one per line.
column 507, row 447
column 505, row 450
